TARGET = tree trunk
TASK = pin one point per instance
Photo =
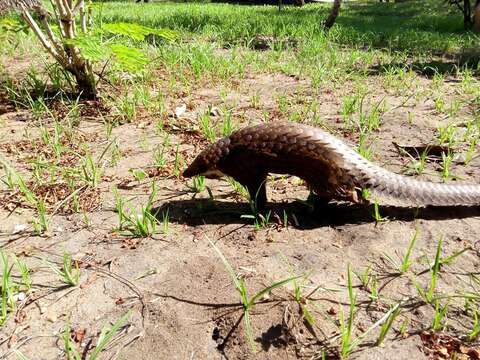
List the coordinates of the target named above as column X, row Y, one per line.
column 333, row 15
column 467, row 14
column 299, row 2
column 86, row 84
column 476, row 17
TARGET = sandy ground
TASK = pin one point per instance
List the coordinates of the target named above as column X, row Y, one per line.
column 182, row 300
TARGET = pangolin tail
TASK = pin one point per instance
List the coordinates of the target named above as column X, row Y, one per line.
column 419, row 192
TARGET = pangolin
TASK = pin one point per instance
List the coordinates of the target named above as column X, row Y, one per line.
column 331, row 168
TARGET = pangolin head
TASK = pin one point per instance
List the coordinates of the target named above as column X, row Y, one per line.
column 207, row 162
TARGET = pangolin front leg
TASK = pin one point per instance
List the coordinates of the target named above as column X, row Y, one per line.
column 257, row 189
column 250, row 171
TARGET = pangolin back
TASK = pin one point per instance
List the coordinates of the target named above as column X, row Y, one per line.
column 350, row 167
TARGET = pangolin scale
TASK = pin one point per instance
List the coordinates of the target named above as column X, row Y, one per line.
column 332, row 169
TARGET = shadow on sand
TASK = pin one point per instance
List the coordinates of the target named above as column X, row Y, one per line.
column 200, row 212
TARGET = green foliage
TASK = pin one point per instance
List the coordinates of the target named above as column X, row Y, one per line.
column 91, row 47
column 101, row 46
column 9, row 27
column 9, row 24
column 138, row 32
column 129, row 58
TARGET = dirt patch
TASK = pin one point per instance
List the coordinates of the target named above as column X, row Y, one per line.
column 183, row 301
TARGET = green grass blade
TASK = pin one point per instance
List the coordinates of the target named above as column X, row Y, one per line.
column 249, row 331
column 107, row 334
column 231, row 272
column 270, row 288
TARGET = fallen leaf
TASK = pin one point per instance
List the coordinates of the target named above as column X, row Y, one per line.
column 51, row 316
column 20, row 316
column 78, row 335
column 19, row 228
column 89, row 281
column 179, row 111
column 332, row 311
column 215, row 111
column 19, row 296
column 119, row 301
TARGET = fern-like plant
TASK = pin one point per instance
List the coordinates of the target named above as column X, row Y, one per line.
column 68, row 35
column 65, row 15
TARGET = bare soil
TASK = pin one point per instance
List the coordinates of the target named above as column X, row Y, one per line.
column 184, row 303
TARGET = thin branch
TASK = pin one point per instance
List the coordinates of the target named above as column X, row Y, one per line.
column 8, row 5
column 57, row 16
column 41, row 36
column 51, row 35
column 66, row 19
column 61, row 9
column 68, row 8
column 78, row 6
column 333, row 15
column 83, row 19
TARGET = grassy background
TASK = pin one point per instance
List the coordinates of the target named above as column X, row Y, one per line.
column 423, row 26
column 369, row 37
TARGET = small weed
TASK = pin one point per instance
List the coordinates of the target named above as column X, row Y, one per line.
column 138, row 174
column 133, row 223
column 439, row 104
column 227, row 126
column 302, row 301
column 255, row 100
column 159, row 159
column 69, row 273
column 473, row 334
column 105, row 337
column 260, row 221
column 178, row 162
column 198, row 184
column 419, row 165
column 428, row 294
column 346, row 327
column 471, row 151
column 376, row 213
column 107, row 334
column 7, row 289
column 447, row 135
column 42, row 223
column 69, row 348
column 450, row 259
column 454, row 108
column 435, row 270
column 369, row 282
column 91, row 172
column 283, row 104
column 166, row 221
column 127, row 107
column 439, row 315
column 24, row 272
column 349, row 106
column 364, row 276
column 206, row 126
column 238, row 188
column 387, row 325
column 447, row 160
column 248, row 302
column 20, row 355
column 363, row 149
column 403, row 267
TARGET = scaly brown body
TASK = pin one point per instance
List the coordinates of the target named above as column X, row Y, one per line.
column 331, row 168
